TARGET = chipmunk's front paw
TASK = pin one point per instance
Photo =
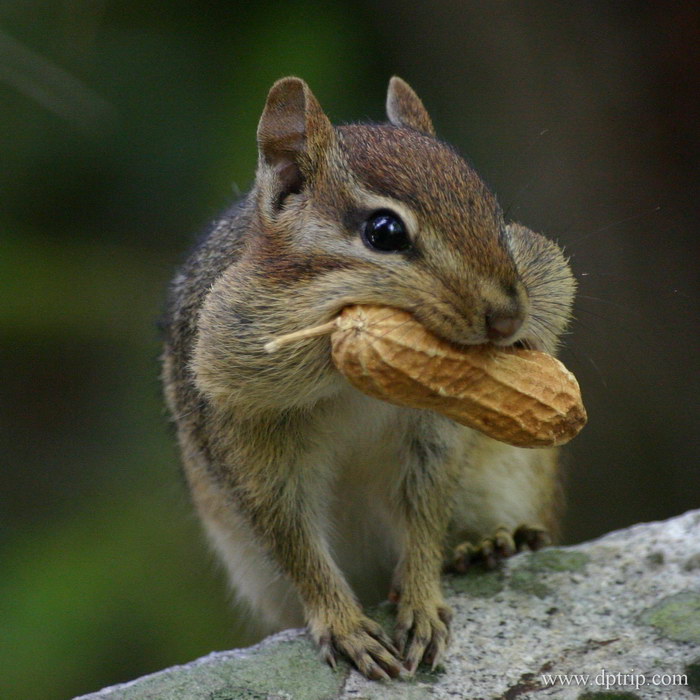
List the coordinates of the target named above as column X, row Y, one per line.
column 363, row 642
column 492, row 550
column 422, row 633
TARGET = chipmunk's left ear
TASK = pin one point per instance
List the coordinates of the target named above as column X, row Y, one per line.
column 294, row 135
column 404, row 107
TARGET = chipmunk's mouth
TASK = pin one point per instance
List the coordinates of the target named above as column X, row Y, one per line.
column 448, row 326
column 528, row 344
column 453, row 328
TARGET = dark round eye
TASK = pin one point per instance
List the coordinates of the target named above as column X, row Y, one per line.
column 384, row 231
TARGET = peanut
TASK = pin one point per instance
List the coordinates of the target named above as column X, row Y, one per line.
column 522, row 397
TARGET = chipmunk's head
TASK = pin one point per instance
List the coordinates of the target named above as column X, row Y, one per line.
column 388, row 214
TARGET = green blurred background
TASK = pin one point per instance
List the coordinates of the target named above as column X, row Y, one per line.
column 125, row 127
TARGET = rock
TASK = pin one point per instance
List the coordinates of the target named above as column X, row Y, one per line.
column 616, row 618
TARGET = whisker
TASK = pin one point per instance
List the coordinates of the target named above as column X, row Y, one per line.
column 609, row 302
column 613, row 224
column 520, row 158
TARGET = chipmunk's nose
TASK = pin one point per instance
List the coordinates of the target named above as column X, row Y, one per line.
column 505, row 313
column 501, row 326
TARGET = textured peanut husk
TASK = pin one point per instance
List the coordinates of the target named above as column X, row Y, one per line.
column 521, row 397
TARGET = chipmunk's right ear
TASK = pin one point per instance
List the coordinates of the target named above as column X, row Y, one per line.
column 404, row 107
column 293, row 135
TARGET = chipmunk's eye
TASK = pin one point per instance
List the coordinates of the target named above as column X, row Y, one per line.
column 384, row 231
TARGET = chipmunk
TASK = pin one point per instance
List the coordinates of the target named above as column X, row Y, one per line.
column 316, row 497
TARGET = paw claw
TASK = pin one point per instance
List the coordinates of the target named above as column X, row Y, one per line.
column 422, row 634
column 463, row 556
column 365, row 644
column 400, row 639
column 373, row 671
column 531, row 537
column 326, row 650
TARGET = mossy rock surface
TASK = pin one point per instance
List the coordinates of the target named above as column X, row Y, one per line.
column 287, row 669
column 628, row 603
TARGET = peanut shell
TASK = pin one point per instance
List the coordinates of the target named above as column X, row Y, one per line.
column 521, row 397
